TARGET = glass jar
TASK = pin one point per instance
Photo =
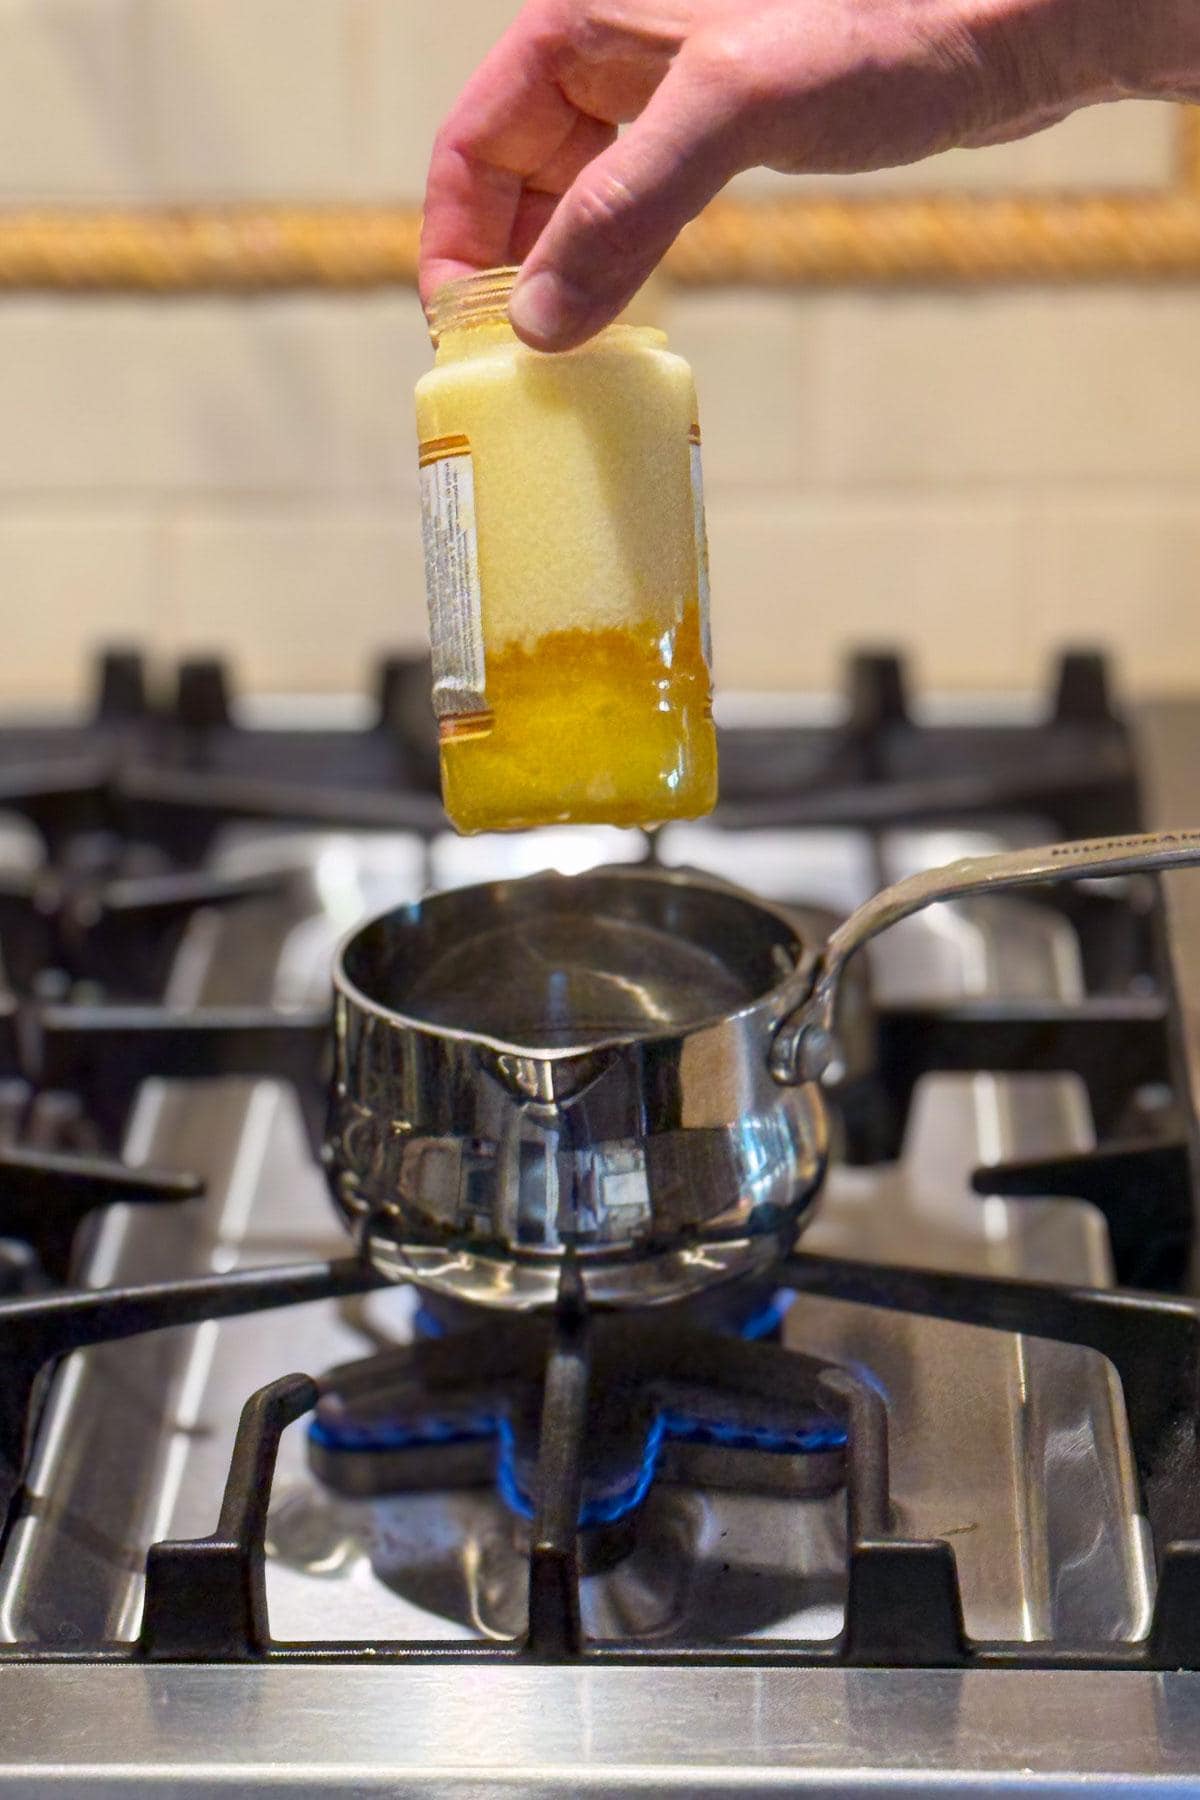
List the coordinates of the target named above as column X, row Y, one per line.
column 566, row 572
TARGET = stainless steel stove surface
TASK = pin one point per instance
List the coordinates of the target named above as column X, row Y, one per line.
column 1014, row 1450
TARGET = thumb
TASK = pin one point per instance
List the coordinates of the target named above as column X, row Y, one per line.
column 620, row 217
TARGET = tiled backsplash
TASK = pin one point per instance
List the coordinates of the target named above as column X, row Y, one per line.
column 981, row 475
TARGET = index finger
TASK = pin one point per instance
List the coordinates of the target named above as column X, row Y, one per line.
column 510, row 120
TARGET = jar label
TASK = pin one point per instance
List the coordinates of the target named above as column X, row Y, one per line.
column 452, row 580
column 701, row 532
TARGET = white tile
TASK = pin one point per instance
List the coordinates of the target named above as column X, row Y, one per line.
column 390, row 351
column 298, row 600
column 253, row 98
column 82, row 385
column 131, row 396
column 1072, row 384
column 73, row 582
column 73, row 101
column 1124, row 574
column 410, row 64
column 1122, row 148
column 797, row 583
column 260, row 397
column 758, row 359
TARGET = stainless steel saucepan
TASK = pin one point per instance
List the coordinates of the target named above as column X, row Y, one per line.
column 618, row 1072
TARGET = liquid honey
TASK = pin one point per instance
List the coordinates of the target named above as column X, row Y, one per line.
column 586, row 728
column 567, row 574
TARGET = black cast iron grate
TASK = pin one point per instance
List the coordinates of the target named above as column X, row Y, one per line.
column 169, row 769
column 205, row 1600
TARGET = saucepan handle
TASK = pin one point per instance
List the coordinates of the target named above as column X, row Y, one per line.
column 804, row 1045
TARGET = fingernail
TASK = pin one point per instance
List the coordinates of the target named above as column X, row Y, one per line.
column 541, row 308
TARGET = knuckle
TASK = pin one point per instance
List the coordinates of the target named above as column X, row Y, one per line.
column 559, row 33
column 721, row 63
column 741, row 91
column 446, row 144
column 604, row 204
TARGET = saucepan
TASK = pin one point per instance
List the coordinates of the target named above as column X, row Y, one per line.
column 612, row 1080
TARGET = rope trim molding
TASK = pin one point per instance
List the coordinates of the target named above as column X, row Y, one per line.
column 942, row 237
column 237, row 250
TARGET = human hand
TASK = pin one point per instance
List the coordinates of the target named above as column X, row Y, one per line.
column 528, row 166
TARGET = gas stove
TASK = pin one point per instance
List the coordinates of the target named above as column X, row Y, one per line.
column 921, row 1504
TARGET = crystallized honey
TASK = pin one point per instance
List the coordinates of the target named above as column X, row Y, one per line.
column 566, row 572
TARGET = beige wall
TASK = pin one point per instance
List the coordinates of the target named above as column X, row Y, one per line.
column 980, row 475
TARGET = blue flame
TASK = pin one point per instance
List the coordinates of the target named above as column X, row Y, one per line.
column 346, row 1435
column 426, row 1324
column 602, row 1509
column 769, row 1318
column 606, row 1509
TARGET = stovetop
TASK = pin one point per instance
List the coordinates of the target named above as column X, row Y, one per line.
column 995, row 1573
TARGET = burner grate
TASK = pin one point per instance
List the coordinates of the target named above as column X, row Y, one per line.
column 37, row 1331
column 205, row 1599
column 108, row 1051
column 171, row 773
column 117, row 931
column 883, row 770
column 45, row 1196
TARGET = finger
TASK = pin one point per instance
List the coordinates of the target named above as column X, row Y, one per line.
column 587, row 139
column 510, row 120
column 470, row 210
column 534, row 211
column 513, row 212
column 541, row 194
column 621, row 215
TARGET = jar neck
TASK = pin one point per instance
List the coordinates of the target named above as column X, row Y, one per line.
column 471, row 315
column 453, row 343
column 476, row 302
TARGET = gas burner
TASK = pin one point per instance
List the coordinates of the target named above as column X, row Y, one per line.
column 671, row 1402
